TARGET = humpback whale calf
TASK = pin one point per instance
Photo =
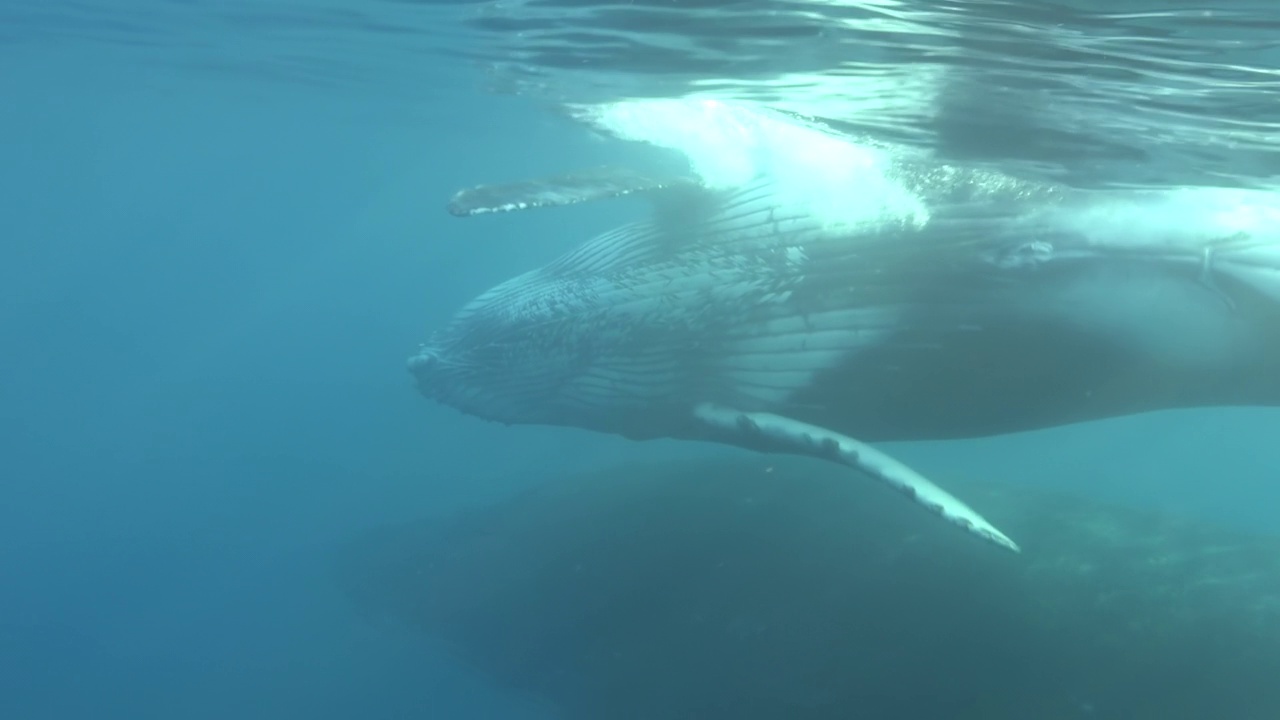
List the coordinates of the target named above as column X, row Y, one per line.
column 987, row 305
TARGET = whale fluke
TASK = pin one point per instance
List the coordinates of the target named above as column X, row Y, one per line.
column 567, row 189
column 767, row 432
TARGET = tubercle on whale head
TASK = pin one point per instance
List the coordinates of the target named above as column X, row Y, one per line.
column 488, row 381
column 427, row 368
column 442, row 368
column 441, row 375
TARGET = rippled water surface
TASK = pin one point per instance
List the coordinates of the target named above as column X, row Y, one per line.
column 1130, row 92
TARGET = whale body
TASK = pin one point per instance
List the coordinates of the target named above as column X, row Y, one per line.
column 741, row 316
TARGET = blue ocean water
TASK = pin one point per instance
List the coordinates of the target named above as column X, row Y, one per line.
column 210, row 287
column 210, row 276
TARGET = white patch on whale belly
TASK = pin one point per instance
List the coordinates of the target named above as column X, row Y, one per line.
column 1167, row 319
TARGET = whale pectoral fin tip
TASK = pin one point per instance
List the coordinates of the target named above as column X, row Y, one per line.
column 774, row 433
column 1002, row 540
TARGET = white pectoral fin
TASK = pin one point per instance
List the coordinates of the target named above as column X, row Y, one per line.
column 559, row 190
column 775, row 433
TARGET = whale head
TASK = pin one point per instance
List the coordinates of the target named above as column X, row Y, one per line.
column 495, row 366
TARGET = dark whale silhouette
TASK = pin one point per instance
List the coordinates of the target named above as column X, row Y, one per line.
column 750, row 590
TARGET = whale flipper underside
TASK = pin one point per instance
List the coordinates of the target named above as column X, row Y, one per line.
column 766, row 432
column 555, row 191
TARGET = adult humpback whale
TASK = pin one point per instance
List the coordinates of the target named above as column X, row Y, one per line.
column 985, row 305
